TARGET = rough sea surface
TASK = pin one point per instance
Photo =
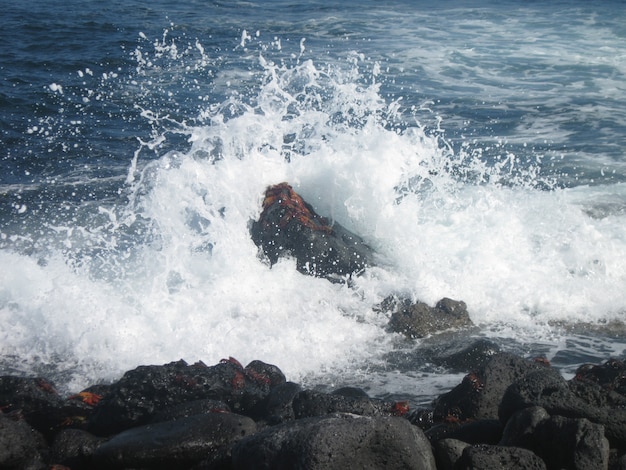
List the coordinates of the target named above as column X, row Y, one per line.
column 478, row 147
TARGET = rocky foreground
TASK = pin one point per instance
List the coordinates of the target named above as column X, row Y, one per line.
column 509, row 413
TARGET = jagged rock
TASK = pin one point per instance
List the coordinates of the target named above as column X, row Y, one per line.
column 417, row 320
column 173, row 444
column 288, row 226
column 21, row 447
column 488, row 457
column 337, row 441
column 479, row 395
column 35, row 399
column 611, row 375
column 571, row 443
column 147, row 390
column 561, row 442
column 575, row 399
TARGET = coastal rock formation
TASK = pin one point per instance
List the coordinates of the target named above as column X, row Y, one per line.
column 289, row 226
column 140, row 393
column 21, row 446
column 578, row 398
column 417, row 319
column 337, row 441
column 174, row 444
column 510, row 412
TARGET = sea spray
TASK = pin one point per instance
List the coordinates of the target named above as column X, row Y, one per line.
column 164, row 266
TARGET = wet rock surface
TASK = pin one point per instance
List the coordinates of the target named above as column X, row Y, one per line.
column 417, row 319
column 289, row 227
column 509, row 412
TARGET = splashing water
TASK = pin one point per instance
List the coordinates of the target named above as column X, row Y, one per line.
column 165, row 267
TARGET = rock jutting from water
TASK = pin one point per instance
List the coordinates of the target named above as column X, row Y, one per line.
column 417, row 319
column 289, row 226
column 510, row 412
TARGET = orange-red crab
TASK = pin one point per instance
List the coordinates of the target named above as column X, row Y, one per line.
column 474, row 382
column 87, row 398
column 400, row 408
column 295, row 208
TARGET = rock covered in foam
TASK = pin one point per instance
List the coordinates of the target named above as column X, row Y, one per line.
column 417, row 319
column 289, row 226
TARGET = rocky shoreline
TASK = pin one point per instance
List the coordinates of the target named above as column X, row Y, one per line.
column 510, row 412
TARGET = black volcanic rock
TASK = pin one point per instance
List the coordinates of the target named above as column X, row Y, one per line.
column 310, row 403
column 487, row 457
column 146, row 390
column 21, row 447
column 35, row 399
column 479, row 395
column 74, row 448
column 571, row 443
column 289, row 226
column 510, row 412
column 417, row 319
column 279, row 405
column 546, row 388
column 337, row 441
column 173, row 444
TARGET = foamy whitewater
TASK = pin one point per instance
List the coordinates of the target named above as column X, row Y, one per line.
column 479, row 150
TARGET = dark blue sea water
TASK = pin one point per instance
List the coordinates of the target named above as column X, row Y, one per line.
column 479, row 147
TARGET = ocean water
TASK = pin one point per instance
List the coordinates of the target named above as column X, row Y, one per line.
column 478, row 147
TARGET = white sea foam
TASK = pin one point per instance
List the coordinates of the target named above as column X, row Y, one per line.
column 174, row 274
column 443, row 224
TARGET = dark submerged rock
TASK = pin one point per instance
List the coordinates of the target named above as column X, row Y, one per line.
column 289, row 226
column 337, row 441
column 417, row 320
column 466, row 357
